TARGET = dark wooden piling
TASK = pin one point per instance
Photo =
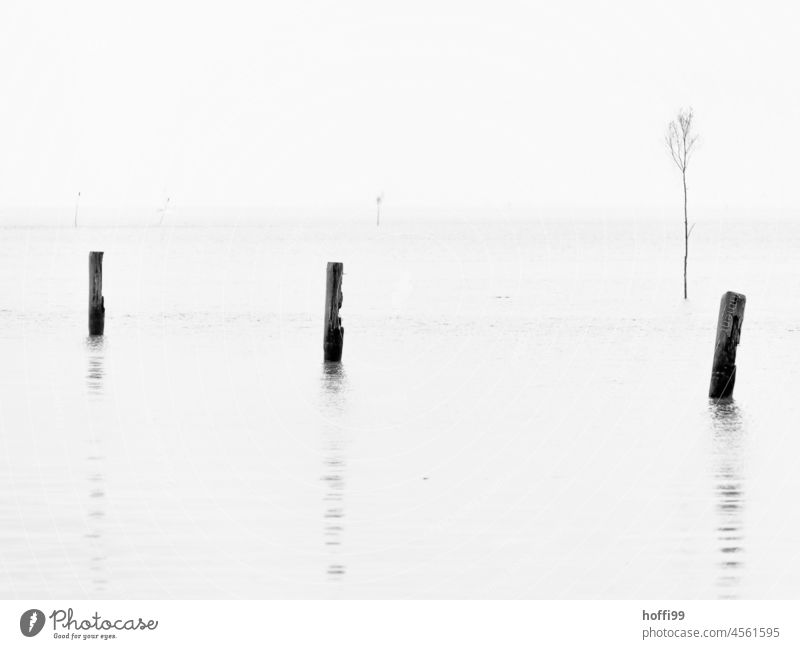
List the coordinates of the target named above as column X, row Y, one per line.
column 97, row 308
column 333, row 339
column 729, row 329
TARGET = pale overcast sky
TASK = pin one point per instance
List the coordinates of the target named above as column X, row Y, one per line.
column 330, row 102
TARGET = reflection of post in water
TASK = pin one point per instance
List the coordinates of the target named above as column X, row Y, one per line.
column 97, row 407
column 334, row 388
column 95, row 347
column 728, row 431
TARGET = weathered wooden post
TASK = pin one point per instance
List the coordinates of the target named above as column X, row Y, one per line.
column 729, row 329
column 97, row 309
column 333, row 339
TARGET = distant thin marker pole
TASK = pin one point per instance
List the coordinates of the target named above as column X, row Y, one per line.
column 164, row 211
column 77, row 202
column 378, row 201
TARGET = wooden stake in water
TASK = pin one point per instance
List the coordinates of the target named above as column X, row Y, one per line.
column 333, row 340
column 729, row 329
column 97, row 308
column 77, row 202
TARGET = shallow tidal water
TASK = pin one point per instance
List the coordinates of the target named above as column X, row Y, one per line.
column 521, row 412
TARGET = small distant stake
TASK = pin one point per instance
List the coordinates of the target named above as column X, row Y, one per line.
column 163, row 211
column 77, row 202
column 97, row 308
column 729, row 329
column 378, row 201
column 333, row 340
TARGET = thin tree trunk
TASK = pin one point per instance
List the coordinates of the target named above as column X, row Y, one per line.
column 685, row 236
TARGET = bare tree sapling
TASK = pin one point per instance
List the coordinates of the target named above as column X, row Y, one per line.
column 680, row 141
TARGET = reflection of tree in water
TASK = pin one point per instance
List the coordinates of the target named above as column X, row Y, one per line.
column 334, row 388
column 728, row 431
column 95, row 387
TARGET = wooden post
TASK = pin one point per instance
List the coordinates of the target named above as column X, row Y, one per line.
column 97, row 308
column 729, row 329
column 333, row 339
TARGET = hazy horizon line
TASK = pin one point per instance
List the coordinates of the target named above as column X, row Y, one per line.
column 239, row 215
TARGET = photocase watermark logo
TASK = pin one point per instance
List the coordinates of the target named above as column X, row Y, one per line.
column 67, row 626
column 31, row 622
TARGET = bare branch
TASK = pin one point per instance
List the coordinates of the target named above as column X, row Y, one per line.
column 671, row 138
column 680, row 138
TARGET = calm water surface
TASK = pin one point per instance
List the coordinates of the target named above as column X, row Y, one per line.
column 521, row 411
